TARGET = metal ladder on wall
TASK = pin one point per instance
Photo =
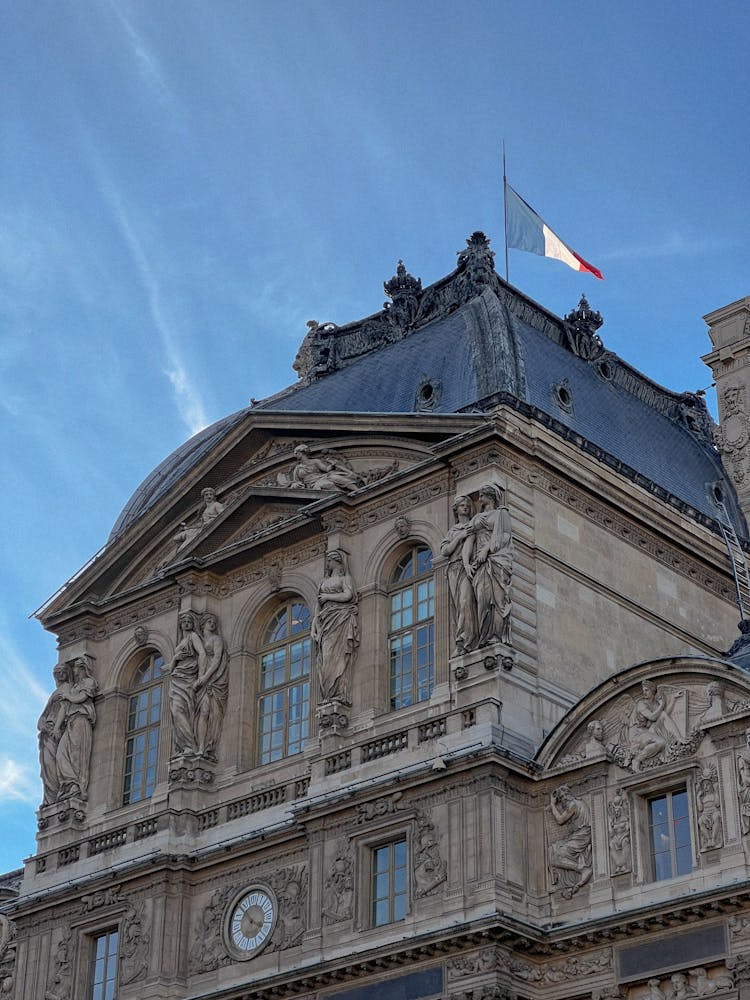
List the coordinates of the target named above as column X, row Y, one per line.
column 737, row 559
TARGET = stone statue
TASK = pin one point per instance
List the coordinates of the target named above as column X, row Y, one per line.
column 134, row 947
column 321, row 473
column 570, row 858
column 211, row 688
column 594, row 745
column 211, row 506
column 459, row 573
column 654, row 991
column 430, row 870
column 186, row 665
column 716, row 707
column 335, row 629
column 651, row 723
column 74, row 728
column 709, row 809
column 491, row 568
column 743, row 784
column 49, row 738
column 619, row 833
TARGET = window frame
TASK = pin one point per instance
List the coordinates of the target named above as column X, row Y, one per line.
column 390, row 845
column 672, row 820
column 271, row 648
column 113, row 960
column 152, row 657
column 397, row 692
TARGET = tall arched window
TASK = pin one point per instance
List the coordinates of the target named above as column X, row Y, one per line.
column 142, row 737
column 411, row 640
column 284, row 702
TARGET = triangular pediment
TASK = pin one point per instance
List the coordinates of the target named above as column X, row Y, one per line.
column 261, row 474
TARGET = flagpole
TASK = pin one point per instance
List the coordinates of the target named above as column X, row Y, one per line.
column 505, row 212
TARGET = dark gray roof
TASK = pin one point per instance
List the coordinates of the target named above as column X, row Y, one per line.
column 470, row 341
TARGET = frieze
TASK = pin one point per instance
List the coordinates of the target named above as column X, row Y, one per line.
column 98, row 900
column 356, row 521
column 691, row 984
column 386, row 806
column 542, row 973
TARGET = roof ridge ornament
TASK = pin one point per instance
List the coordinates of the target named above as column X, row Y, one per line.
column 581, row 327
column 404, row 291
column 476, row 265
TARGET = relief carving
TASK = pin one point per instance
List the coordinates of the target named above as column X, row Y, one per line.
column 733, row 433
column 7, row 955
column 66, row 729
column 135, row 945
column 687, row 986
column 574, row 967
column 95, row 900
column 208, row 952
column 570, row 857
column 743, row 784
column 60, row 978
column 491, row 992
column 199, row 686
column 707, row 799
column 618, row 820
column 338, row 889
column 187, row 533
column 367, row 811
column 430, row 870
column 335, row 630
column 290, row 886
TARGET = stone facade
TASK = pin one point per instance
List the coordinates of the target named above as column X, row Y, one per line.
column 432, row 706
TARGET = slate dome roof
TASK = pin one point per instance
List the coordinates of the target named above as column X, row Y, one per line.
column 469, row 342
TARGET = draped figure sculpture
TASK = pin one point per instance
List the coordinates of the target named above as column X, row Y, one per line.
column 459, row 573
column 335, row 629
column 490, row 549
column 211, row 688
column 76, row 717
column 184, row 668
column 49, row 737
column 570, row 857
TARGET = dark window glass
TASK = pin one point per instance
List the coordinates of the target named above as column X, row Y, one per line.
column 669, row 832
column 104, row 966
column 142, row 735
column 284, row 703
column 389, row 883
column 412, row 629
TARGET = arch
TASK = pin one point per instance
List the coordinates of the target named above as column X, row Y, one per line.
column 611, row 707
column 143, row 726
column 124, row 664
column 245, row 630
column 390, row 548
column 411, row 626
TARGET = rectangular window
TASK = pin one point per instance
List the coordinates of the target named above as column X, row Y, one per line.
column 669, row 835
column 389, row 883
column 104, row 967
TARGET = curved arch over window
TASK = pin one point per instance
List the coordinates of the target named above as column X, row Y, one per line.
column 411, row 639
column 142, row 734
column 284, row 698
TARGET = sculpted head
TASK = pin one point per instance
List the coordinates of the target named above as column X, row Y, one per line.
column 60, row 673
column 595, row 730
column 335, row 562
column 187, row 621
column 208, row 494
column 462, row 507
column 301, row 451
column 649, row 688
column 209, row 622
column 491, row 495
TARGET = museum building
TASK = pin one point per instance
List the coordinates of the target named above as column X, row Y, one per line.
column 419, row 679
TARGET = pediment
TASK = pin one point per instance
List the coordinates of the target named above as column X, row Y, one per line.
column 650, row 715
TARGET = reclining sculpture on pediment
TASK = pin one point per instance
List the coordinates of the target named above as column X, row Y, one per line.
column 329, row 472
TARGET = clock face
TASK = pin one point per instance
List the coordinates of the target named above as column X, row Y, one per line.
column 250, row 921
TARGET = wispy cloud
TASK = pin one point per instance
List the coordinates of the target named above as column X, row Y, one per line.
column 186, row 395
column 22, row 699
column 149, row 66
column 675, row 245
column 18, row 782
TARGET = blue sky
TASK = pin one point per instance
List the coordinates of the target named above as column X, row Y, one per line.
column 183, row 184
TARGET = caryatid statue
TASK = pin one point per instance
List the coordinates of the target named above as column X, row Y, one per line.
column 462, row 597
column 335, row 629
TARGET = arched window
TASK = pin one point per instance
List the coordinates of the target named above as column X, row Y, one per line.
column 142, row 737
column 284, row 701
column 411, row 641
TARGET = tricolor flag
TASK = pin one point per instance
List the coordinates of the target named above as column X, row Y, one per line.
column 525, row 230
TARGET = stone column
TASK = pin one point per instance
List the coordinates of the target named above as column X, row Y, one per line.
column 729, row 361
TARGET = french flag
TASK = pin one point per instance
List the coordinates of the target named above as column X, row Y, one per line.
column 525, row 230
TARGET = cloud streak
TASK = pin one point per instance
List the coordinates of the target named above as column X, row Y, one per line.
column 675, row 245
column 186, row 395
column 22, row 699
